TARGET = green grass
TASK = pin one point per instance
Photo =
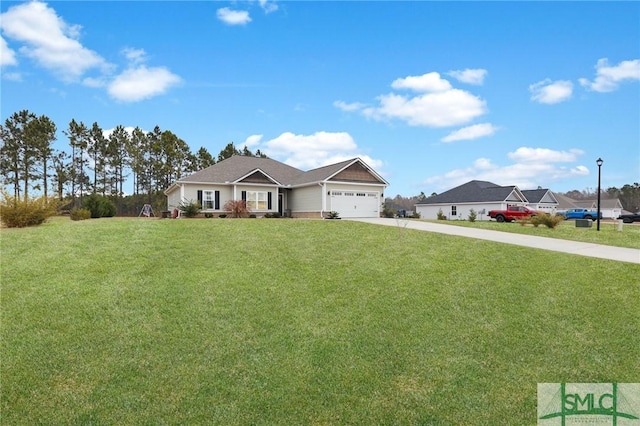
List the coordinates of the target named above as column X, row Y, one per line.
column 608, row 234
column 265, row 321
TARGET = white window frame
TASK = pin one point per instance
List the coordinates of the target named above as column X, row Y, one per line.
column 208, row 200
column 257, row 200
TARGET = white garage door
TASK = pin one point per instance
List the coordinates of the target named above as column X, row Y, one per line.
column 355, row 204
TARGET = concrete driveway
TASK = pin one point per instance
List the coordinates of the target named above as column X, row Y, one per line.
column 620, row 254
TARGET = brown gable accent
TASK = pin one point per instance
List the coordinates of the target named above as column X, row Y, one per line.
column 256, row 177
column 355, row 173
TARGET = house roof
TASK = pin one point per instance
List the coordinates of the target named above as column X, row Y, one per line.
column 535, row 195
column 475, row 191
column 605, row 203
column 238, row 167
column 565, row 202
column 540, row 196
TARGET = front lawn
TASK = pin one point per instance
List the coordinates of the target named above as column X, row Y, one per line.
column 280, row 321
column 608, row 234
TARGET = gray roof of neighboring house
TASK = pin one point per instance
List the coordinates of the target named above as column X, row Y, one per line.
column 238, row 166
column 569, row 203
column 535, row 195
column 565, row 202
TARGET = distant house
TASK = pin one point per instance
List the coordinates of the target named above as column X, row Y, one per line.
column 482, row 196
column 611, row 208
column 542, row 200
column 351, row 188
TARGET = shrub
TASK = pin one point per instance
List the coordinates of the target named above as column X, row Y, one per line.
column 16, row 213
column 79, row 214
column 527, row 220
column 237, row 208
column 472, row 215
column 222, row 216
column 208, row 215
column 189, row 208
column 441, row 215
column 388, row 212
column 333, row 215
column 550, row 221
column 99, row 206
column 252, row 216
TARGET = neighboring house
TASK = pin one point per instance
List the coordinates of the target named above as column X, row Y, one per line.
column 351, row 188
column 611, row 208
column 482, row 196
column 542, row 200
column 566, row 203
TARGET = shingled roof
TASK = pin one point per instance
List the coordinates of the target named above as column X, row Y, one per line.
column 237, row 167
column 475, row 191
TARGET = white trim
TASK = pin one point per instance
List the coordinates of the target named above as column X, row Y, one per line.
column 238, row 181
column 358, row 160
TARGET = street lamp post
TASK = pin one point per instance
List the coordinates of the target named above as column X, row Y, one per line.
column 599, row 163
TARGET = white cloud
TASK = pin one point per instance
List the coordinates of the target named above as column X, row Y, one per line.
column 430, row 82
column 308, row 152
column 449, row 108
column 134, row 56
column 12, row 76
column 544, row 155
column 531, row 167
column 233, row 17
column 49, row 41
column 437, row 103
column 7, row 56
column 252, row 140
column 136, row 84
column 268, row 6
column 53, row 44
column 469, row 76
column 609, row 77
column 355, row 106
column 471, row 132
column 551, row 92
column 107, row 133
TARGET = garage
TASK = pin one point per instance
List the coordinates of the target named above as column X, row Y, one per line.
column 355, row 203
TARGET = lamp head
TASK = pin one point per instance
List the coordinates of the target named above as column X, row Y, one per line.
column 599, row 162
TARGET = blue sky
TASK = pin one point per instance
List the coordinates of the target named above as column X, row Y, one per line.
column 430, row 94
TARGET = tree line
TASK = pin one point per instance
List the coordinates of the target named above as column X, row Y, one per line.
column 95, row 163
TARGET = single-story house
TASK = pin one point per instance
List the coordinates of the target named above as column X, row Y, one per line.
column 611, row 208
column 351, row 188
column 542, row 200
column 482, row 196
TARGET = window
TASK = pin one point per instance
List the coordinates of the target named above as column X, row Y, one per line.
column 208, row 200
column 454, row 211
column 258, row 200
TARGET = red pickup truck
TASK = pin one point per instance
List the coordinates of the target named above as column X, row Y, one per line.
column 512, row 213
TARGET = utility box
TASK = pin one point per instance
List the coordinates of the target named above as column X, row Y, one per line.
column 584, row 223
